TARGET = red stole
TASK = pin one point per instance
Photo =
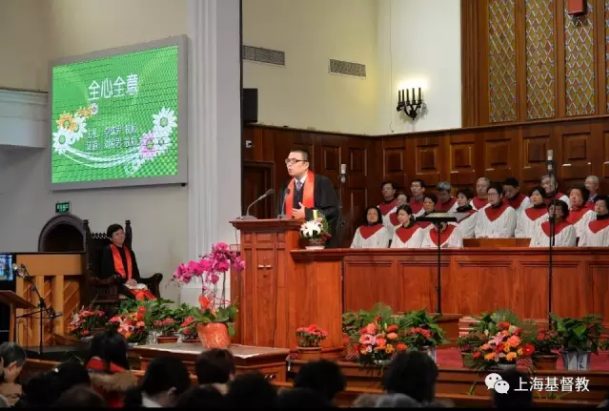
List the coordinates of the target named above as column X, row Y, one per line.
column 118, row 262
column 444, row 236
column 406, row 234
column 533, row 213
column 444, row 207
column 598, row 225
column 367, row 231
column 556, row 196
column 393, row 219
column 590, row 205
column 423, row 224
column 493, row 213
column 308, row 196
column 142, row 295
column 515, row 202
column 479, row 202
column 416, row 205
column 387, row 207
column 545, row 226
column 576, row 215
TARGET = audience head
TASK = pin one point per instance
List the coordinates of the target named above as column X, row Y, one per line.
column 601, row 205
column 365, row 401
column 110, row 347
column 464, row 196
column 443, row 189
column 324, row 377
column 514, row 399
column 116, row 234
column 592, row 184
column 40, row 390
column 511, row 187
column 429, row 203
column 578, row 196
column 80, row 396
column 297, row 163
column 302, row 398
column 414, row 374
column 538, row 196
column 482, row 186
column 13, row 358
column 402, row 199
column 69, row 374
column 166, row 378
column 251, row 390
column 495, row 194
column 396, row 400
column 373, row 216
column 388, row 189
column 405, row 216
column 417, row 188
column 560, row 211
column 201, row 397
column 549, row 184
column 215, row 366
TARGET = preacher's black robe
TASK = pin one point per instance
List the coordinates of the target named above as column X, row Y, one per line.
column 108, row 270
column 325, row 201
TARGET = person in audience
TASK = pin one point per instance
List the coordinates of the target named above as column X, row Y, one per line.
column 465, row 214
column 564, row 232
column 396, row 400
column 417, row 191
column 13, row 358
column 513, row 196
column 390, row 201
column 119, row 261
column 446, row 202
column 365, row 401
column 216, row 367
column 302, row 398
column 534, row 215
column 499, row 219
column 592, row 184
column 166, row 378
column 552, row 193
column 409, row 234
column 108, row 367
column 579, row 214
column 202, row 397
column 450, row 236
column 251, row 390
column 324, row 377
column 596, row 233
column 414, row 374
column 480, row 201
column 373, row 234
column 429, row 207
column 514, row 398
column 80, row 396
column 393, row 222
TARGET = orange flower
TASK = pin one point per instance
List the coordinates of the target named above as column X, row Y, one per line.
column 392, row 336
column 477, row 354
column 489, row 356
column 85, row 332
column 362, row 339
column 392, row 328
column 511, row 356
column 381, row 342
column 371, row 328
column 205, row 302
column 401, row 347
column 514, row 341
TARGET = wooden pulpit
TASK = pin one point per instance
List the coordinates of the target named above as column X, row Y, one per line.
column 275, row 295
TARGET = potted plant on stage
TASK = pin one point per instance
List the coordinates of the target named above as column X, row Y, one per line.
column 423, row 333
column 468, row 343
column 546, row 343
column 215, row 324
column 309, row 342
column 579, row 338
column 167, row 330
column 315, row 233
column 188, row 330
column 87, row 322
column 131, row 325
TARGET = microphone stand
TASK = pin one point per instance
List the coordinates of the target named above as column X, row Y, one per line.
column 341, row 223
column 42, row 309
column 551, row 247
column 439, row 284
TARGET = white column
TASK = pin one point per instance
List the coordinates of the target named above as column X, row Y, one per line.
column 214, row 148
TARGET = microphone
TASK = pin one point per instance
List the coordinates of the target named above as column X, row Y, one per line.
column 550, row 161
column 247, row 215
column 21, row 271
column 343, row 173
column 286, row 192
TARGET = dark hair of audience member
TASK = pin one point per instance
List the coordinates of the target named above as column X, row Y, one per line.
column 110, row 347
column 215, row 366
column 251, row 390
column 324, row 377
column 302, row 398
column 166, row 378
column 414, row 374
column 514, row 399
column 13, row 357
column 80, row 396
column 40, row 390
column 69, row 374
column 201, row 397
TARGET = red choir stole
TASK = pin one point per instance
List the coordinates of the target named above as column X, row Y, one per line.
column 367, row 231
column 494, row 213
column 387, row 207
column 445, row 207
column 444, row 236
column 416, row 205
column 515, row 202
column 479, row 202
column 576, row 214
column 118, row 262
column 598, row 225
column 308, row 195
column 545, row 226
column 405, row 234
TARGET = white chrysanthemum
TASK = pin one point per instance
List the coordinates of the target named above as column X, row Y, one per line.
column 62, row 140
column 80, row 129
column 165, row 121
column 162, row 140
column 134, row 165
column 310, row 229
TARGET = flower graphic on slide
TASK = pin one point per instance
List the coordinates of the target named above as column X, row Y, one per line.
column 162, row 141
column 84, row 112
column 165, row 121
column 62, row 140
column 66, row 121
column 80, row 129
column 148, row 146
column 94, row 108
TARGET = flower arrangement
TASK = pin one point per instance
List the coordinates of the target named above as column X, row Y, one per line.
column 579, row 334
column 218, row 261
column 315, row 229
column 507, row 346
column 188, row 328
column 167, row 327
column 469, row 342
column 131, row 325
column 310, row 336
column 85, row 321
column 422, row 330
column 546, row 342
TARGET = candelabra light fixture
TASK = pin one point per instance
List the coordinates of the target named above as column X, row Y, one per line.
column 410, row 107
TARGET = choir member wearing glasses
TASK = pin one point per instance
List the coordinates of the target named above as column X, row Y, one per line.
column 497, row 220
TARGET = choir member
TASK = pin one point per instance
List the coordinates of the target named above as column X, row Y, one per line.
column 446, row 202
column 392, row 220
column 592, row 184
column 417, row 189
column 390, row 201
column 513, row 196
column 579, row 214
column 564, row 232
column 596, row 233
column 373, row 234
column 534, row 215
column 480, row 201
column 552, row 193
column 409, row 234
column 450, row 236
column 465, row 214
column 429, row 206
column 499, row 219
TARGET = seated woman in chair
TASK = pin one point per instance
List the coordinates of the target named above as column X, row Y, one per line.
column 119, row 260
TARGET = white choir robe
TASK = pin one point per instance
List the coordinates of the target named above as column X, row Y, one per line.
column 563, row 237
column 519, row 203
column 529, row 220
column 387, row 209
column 479, row 203
column 559, row 196
column 392, row 224
column 450, row 238
column 580, row 219
column 408, row 237
column 496, row 222
column 467, row 223
column 416, row 206
column 596, row 234
column 371, row 237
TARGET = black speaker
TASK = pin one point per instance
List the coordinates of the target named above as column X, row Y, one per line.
column 250, row 105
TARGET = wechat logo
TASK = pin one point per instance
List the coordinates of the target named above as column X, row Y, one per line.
column 495, row 382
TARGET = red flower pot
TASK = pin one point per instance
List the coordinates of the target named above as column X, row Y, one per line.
column 309, row 353
column 545, row 362
column 167, row 339
column 213, row 335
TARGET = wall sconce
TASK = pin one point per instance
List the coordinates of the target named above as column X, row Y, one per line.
column 410, row 107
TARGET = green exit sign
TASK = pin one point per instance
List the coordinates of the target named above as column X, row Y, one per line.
column 62, row 207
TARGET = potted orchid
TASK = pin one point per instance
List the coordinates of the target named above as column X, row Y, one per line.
column 309, row 342
column 315, row 233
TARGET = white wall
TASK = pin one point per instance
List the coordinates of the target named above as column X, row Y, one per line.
column 419, row 44
column 304, row 94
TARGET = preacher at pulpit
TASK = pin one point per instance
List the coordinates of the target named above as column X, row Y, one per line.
column 306, row 192
column 118, row 260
